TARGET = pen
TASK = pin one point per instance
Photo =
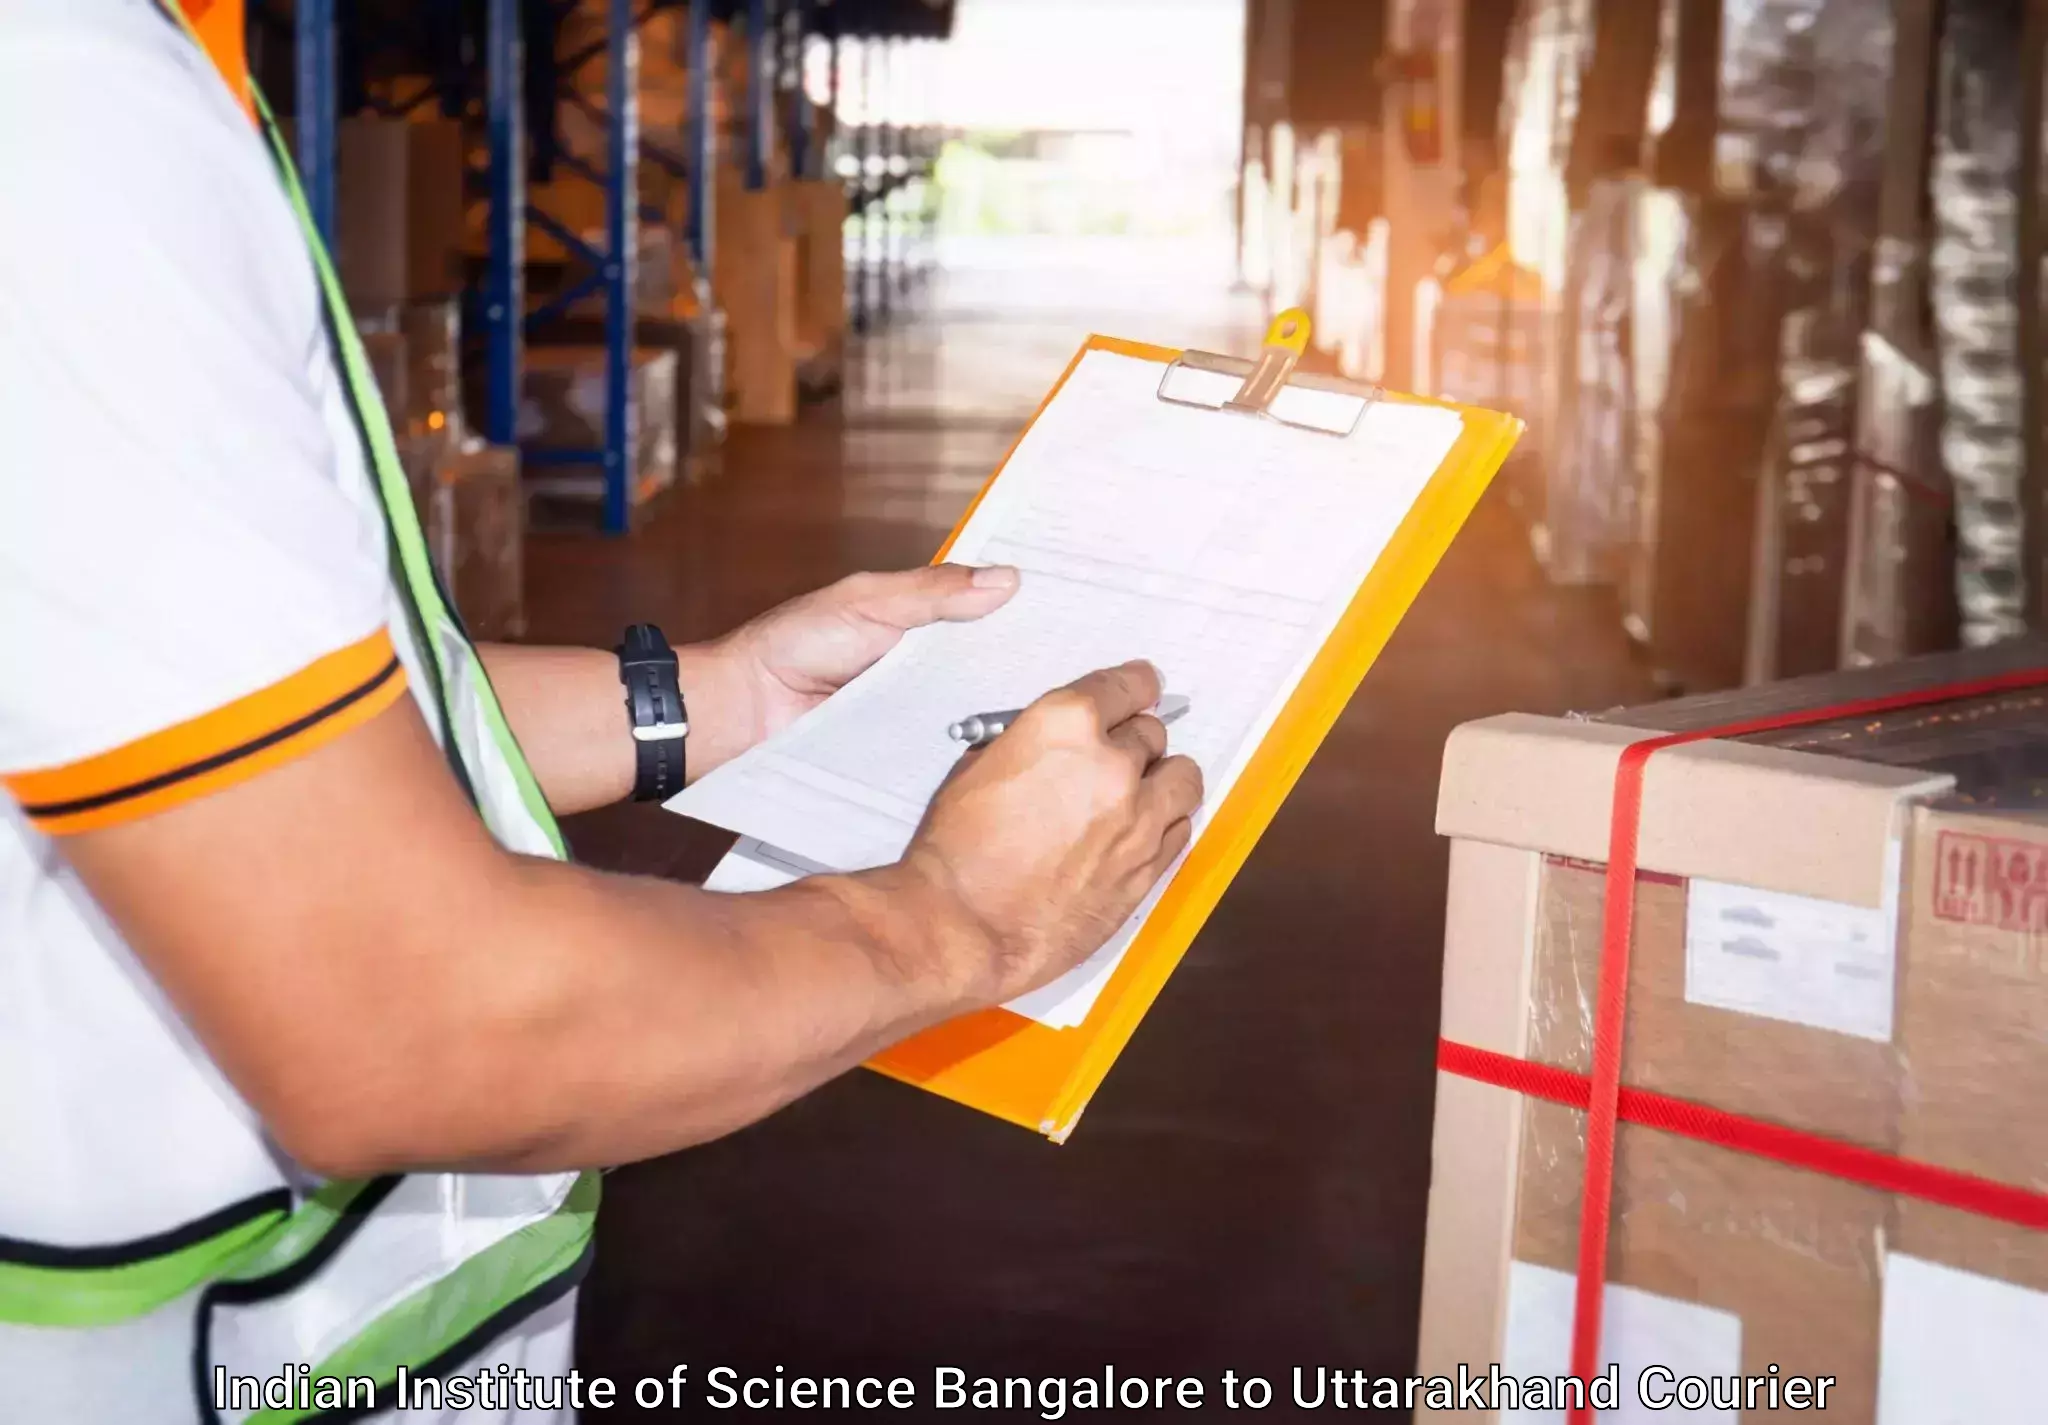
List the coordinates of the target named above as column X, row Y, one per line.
column 984, row 727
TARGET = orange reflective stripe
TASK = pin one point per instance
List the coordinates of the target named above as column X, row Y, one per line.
column 220, row 26
column 217, row 749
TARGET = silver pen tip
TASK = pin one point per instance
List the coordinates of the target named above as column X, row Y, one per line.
column 957, row 731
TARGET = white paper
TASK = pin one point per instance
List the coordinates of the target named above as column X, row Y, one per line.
column 1222, row 548
column 750, row 866
column 1958, row 1348
column 1638, row 1329
column 1797, row 958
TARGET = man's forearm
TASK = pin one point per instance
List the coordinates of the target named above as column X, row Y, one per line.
column 568, row 710
column 389, row 988
column 627, row 1017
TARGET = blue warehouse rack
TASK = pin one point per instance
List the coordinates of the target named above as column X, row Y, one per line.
column 610, row 263
column 494, row 81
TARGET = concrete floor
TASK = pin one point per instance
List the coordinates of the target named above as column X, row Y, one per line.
column 1247, row 1191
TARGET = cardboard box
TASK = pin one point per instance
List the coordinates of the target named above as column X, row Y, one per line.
column 436, row 158
column 371, row 191
column 821, row 211
column 1842, row 929
column 755, row 276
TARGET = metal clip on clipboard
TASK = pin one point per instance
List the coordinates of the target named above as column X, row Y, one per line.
column 1269, row 387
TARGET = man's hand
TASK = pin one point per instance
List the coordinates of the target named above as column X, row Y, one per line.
column 1050, row 836
column 568, row 710
column 554, row 1016
column 790, row 659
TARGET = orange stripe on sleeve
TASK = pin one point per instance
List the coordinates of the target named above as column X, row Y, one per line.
column 217, row 749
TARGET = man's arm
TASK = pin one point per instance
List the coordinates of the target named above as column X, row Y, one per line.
column 568, row 709
column 390, row 989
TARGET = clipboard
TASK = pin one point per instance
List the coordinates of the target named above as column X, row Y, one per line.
column 1042, row 1078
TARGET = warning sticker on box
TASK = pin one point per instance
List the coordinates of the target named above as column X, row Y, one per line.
column 1991, row 880
column 1797, row 958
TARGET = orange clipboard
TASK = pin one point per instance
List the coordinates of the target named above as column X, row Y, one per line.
column 1042, row 1078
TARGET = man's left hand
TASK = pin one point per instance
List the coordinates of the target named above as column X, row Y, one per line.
column 790, row 659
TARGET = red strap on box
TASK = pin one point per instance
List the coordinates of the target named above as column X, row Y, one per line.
column 1851, row 1162
column 1602, row 1092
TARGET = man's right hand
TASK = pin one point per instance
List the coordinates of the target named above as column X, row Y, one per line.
column 1050, row 836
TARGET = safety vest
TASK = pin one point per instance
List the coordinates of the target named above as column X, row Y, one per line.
column 351, row 1280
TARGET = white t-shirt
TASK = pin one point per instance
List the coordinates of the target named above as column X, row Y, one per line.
column 194, row 587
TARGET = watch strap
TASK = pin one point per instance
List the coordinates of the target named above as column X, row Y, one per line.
column 658, row 719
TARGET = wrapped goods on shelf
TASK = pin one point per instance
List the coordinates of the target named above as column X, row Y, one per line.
column 433, row 365
column 1899, row 594
column 1589, row 502
column 472, row 509
column 1974, row 286
column 1479, row 325
column 415, row 352
column 1704, row 387
column 1798, row 566
column 1550, row 46
column 1827, row 1164
column 1353, row 300
column 700, row 390
column 1573, row 139
column 562, row 408
column 1808, row 82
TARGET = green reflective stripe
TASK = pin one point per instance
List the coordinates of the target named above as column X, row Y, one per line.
column 441, row 1317
column 101, row 1296
column 300, row 1233
column 395, row 493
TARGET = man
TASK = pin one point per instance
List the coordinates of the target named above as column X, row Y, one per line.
column 307, row 1036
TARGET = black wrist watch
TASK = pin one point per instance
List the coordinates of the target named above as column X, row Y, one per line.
column 654, row 704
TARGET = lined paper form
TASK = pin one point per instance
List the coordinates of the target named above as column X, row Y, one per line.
column 1220, row 547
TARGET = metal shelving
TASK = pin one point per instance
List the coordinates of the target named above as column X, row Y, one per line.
column 492, row 85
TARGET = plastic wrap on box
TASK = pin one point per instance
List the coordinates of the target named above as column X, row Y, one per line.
column 1549, row 47
column 1994, row 745
column 562, row 405
column 433, row 363
column 1907, row 1023
column 472, row 512
column 700, row 385
column 1768, row 90
column 1480, row 333
column 1589, row 507
column 1795, row 1257
column 476, row 528
column 1899, row 597
column 1704, row 392
column 1974, row 268
column 1803, row 524
column 1810, row 82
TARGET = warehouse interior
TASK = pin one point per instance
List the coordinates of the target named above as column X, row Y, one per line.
column 683, row 309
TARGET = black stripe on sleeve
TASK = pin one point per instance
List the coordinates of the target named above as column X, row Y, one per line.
column 46, row 810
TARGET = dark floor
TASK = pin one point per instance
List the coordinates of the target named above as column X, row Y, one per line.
column 1247, row 1191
